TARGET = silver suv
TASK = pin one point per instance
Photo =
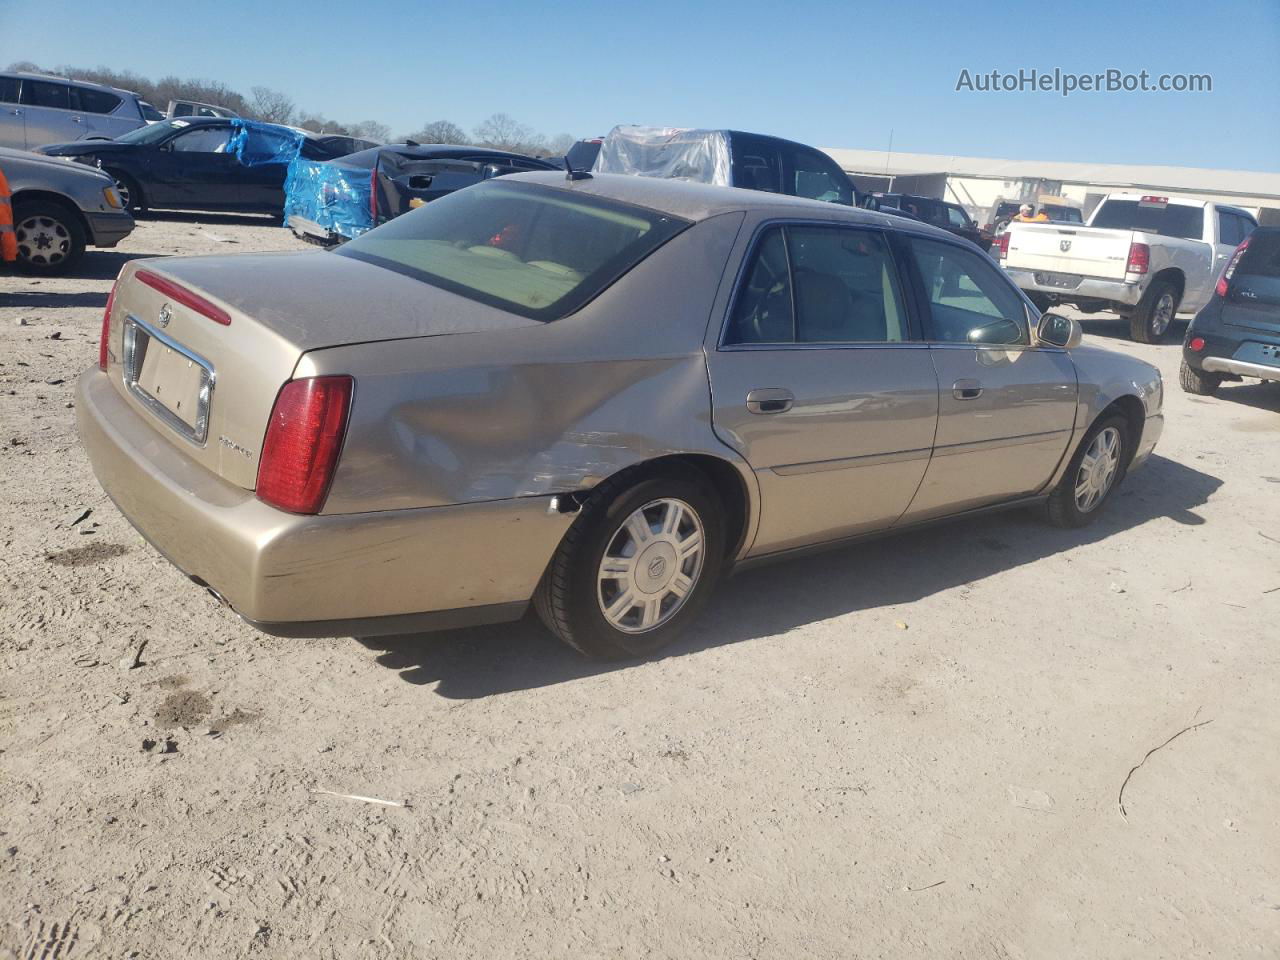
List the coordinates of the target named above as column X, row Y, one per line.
column 36, row 109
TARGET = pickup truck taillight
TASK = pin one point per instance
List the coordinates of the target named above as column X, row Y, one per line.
column 1139, row 258
column 1224, row 281
column 104, row 337
column 1004, row 245
column 304, row 438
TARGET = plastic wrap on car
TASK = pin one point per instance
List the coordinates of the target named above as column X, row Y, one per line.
column 254, row 144
column 668, row 152
column 334, row 197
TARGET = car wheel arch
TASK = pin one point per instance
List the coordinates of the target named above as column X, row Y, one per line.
column 1174, row 276
column 23, row 197
column 1134, row 413
column 733, row 482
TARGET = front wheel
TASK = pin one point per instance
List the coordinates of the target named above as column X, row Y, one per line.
column 1093, row 474
column 127, row 188
column 636, row 566
column 50, row 237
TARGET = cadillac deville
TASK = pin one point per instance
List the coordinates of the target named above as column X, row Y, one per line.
column 593, row 394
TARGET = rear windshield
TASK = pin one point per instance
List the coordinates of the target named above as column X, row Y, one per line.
column 536, row 251
column 1262, row 258
column 1063, row 214
column 1173, row 220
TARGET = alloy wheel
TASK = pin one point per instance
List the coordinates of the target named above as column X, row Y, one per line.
column 1162, row 316
column 651, row 565
column 43, row 240
column 1098, row 469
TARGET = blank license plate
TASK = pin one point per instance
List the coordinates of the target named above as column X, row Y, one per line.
column 171, row 381
column 1064, row 281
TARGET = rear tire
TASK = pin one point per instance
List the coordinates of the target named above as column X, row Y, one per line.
column 601, row 565
column 50, row 237
column 1153, row 317
column 1197, row 381
column 1085, row 487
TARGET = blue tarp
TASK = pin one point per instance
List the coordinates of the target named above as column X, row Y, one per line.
column 256, row 143
column 331, row 195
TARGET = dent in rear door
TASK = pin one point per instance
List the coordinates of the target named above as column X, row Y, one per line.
column 837, row 433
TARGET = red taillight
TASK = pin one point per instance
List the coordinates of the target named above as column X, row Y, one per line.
column 1004, row 245
column 105, row 336
column 303, row 441
column 1224, row 281
column 373, row 195
column 1139, row 258
column 1196, row 344
column 188, row 298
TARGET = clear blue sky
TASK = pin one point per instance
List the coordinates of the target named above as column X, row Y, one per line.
column 826, row 72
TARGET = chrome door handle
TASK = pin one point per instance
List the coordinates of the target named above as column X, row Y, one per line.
column 770, row 400
column 966, row 390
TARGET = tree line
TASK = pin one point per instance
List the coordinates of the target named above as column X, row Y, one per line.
column 500, row 130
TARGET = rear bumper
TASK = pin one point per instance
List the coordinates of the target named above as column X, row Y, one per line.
column 108, row 229
column 1089, row 288
column 317, row 575
column 1240, row 368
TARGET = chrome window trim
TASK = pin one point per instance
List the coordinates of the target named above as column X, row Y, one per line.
column 197, row 435
column 752, row 245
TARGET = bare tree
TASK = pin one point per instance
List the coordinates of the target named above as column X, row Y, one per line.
column 440, row 131
column 270, row 106
column 371, row 130
column 559, row 145
column 504, row 132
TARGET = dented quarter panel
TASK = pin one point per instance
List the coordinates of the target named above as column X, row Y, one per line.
column 543, row 408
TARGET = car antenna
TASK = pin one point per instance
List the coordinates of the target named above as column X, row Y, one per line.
column 572, row 174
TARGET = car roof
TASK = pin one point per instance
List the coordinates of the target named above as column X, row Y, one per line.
column 27, row 75
column 701, row 201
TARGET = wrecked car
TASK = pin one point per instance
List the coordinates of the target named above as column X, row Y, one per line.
column 727, row 158
column 202, row 163
column 332, row 201
column 593, row 394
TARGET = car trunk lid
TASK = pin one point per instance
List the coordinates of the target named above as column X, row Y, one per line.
column 202, row 346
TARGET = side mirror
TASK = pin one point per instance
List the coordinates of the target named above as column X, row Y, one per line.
column 1055, row 330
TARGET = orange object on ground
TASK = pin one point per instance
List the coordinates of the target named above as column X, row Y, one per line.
column 8, row 239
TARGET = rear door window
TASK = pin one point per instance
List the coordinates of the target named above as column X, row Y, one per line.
column 819, row 284
column 957, row 217
column 8, row 89
column 1168, row 220
column 89, row 100
column 42, row 93
column 1229, row 231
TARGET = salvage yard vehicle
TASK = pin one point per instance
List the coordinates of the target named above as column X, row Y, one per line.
column 1148, row 258
column 596, row 394
column 727, row 158
column 36, row 109
column 327, row 202
column 201, row 163
column 1237, row 334
column 951, row 217
column 194, row 108
column 59, row 208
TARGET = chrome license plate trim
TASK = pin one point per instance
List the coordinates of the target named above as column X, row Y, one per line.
column 135, row 347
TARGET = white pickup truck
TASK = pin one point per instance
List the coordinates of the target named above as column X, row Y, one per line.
column 1145, row 257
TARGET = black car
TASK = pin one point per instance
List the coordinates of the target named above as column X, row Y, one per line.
column 1237, row 333
column 202, row 163
column 329, row 202
column 938, row 213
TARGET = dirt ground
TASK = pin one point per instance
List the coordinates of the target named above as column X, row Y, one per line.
column 911, row 748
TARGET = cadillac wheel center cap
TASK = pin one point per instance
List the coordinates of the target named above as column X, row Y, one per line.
column 166, row 314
